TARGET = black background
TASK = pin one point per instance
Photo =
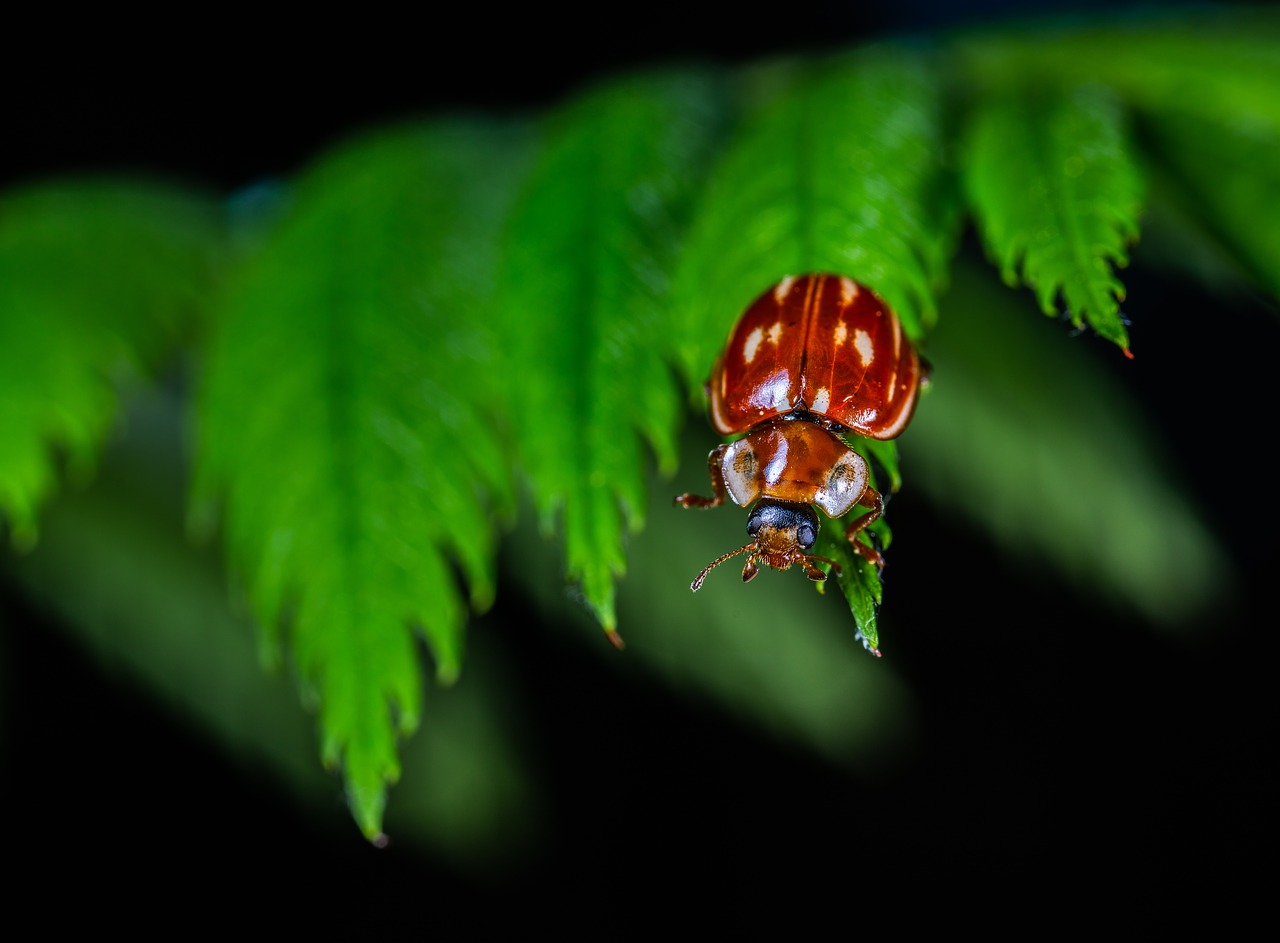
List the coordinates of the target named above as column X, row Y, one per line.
column 1072, row 762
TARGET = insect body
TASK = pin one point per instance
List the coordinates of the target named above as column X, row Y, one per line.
column 813, row 358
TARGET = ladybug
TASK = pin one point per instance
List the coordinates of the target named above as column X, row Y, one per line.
column 813, row 358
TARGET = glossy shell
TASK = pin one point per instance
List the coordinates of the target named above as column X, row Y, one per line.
column 821, row 344
column 796, row 462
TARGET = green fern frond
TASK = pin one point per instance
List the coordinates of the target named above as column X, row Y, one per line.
column 1212, row 66
column 858, row 580
column 840, row 173
column 97, row 278
column 343, row 417
column 1229, row 168
column 114, row 566
column 1055, row 189
column 585, row 312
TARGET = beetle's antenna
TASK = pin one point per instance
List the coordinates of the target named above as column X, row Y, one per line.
column 697, row 580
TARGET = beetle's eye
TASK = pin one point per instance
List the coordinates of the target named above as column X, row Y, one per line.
column 805, row 535
column 753, row 525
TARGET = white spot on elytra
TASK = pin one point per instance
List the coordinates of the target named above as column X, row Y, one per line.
column 893, row 384
column 842, row 333
column 848, row 290
column 752, row 344
column 779, row 391
column 866, row 350
column 775, row 332
column 783, row 289
column 821, row 401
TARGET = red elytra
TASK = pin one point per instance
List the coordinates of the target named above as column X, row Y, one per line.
column 814, row 357
column 820, row 344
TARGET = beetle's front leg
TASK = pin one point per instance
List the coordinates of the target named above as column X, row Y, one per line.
column 714, row 461
column 870, row 498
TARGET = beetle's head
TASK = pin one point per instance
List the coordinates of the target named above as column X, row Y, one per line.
column 781, row 532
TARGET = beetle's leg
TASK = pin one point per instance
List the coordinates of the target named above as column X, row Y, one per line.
column 810, row 567
column 714, row 461
column 870, row 498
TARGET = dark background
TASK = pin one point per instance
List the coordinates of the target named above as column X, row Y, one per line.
column 1073, row 759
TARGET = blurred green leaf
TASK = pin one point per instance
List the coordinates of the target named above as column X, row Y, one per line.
column 1026, row 437
column 1056, row 192
column 114, row 569
column 344, row 414
column 1232, row 173
column 840, row 173
column 97, row 279
column 586, row 321
column 1211, row 64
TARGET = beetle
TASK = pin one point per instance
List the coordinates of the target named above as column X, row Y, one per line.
column 815, row 357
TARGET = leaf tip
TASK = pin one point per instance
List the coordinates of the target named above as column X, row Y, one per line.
column 331, row 754
column 447, row 673
column 614, row 638
column 367, row 802
column 407, row 721
column 482, row 596
column 202, row 517
column 23, row 535
column 870, row 640
column 598, row 593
